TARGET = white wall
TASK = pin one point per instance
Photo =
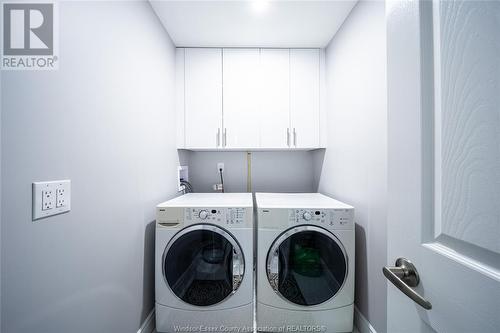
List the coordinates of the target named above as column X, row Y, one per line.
column 271, row 171
column 354, row 167
column 105, row 120
column 0, row 202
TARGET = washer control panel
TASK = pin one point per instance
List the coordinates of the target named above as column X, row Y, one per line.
column 229, row 216
column 301, row 216
column 328, row 218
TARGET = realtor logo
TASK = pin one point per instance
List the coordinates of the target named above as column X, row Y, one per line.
column 29, row 36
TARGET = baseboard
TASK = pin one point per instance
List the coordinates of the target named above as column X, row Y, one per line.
column 149, row 325
column 361, row 323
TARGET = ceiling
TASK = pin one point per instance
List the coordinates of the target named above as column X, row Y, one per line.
column 257, row 23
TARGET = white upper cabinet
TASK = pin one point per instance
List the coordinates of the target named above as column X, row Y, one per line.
column 275, row 98
column 203, row 98
column 249, row 98
column 241, row 102
column 179, row 97
column 304, row 97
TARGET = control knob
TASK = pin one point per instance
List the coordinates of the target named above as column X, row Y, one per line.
column 203, row 214
column 307, row 216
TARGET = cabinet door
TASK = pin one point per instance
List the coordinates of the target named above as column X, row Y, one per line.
column 203, row 98
column 304, row 97
column 275, row 98
column 179, row 97
column 241, row 98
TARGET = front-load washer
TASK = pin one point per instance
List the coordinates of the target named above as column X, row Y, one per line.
column 204, row 263
column 305, row 263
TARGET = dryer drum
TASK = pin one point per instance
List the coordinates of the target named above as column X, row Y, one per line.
column 311, row 266
column 198, row 267
column 307, row 260
column 213, row 255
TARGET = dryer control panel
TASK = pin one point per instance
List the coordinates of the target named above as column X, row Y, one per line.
column 328, row 218
column 233, row 216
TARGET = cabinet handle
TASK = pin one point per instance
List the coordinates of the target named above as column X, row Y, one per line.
column 224, row 139
column 288, row 136
column 294, row 138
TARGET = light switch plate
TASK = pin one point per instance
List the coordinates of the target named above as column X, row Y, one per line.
column 51, row 198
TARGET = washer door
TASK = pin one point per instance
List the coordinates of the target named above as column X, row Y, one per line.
column 203, row 265
column 307, row 265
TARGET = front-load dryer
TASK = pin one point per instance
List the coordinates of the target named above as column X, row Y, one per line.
column 305, row 263
column 204, row 263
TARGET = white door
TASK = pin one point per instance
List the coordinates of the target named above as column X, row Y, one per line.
column 444, row 164
column 203, row 98
column 275, row 98
column 241, row 105
column 304, row 97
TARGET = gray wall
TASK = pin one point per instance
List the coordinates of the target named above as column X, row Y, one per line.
column 271, row 171
column 354, row 169
column 105, row 120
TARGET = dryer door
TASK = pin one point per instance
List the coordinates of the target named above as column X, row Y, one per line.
column 203, row 265
column 307, row 265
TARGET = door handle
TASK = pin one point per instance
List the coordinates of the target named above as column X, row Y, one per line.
column 238, row 270
column 273, row 270
column 218, row 137
column 294, row 138
column 404, row 276
column 288, row 136
column 224, row 138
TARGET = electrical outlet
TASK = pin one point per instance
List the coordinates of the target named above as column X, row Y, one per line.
column 182, row 174
column 217, row 187
column 51, row 198
column 220, row 166
column 63, row 194
column 60, row 197
column 47, row 199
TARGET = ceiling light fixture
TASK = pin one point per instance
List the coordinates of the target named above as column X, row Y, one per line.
column 260, row 6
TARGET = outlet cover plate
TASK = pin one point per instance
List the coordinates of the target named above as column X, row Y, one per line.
column 51, row 198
